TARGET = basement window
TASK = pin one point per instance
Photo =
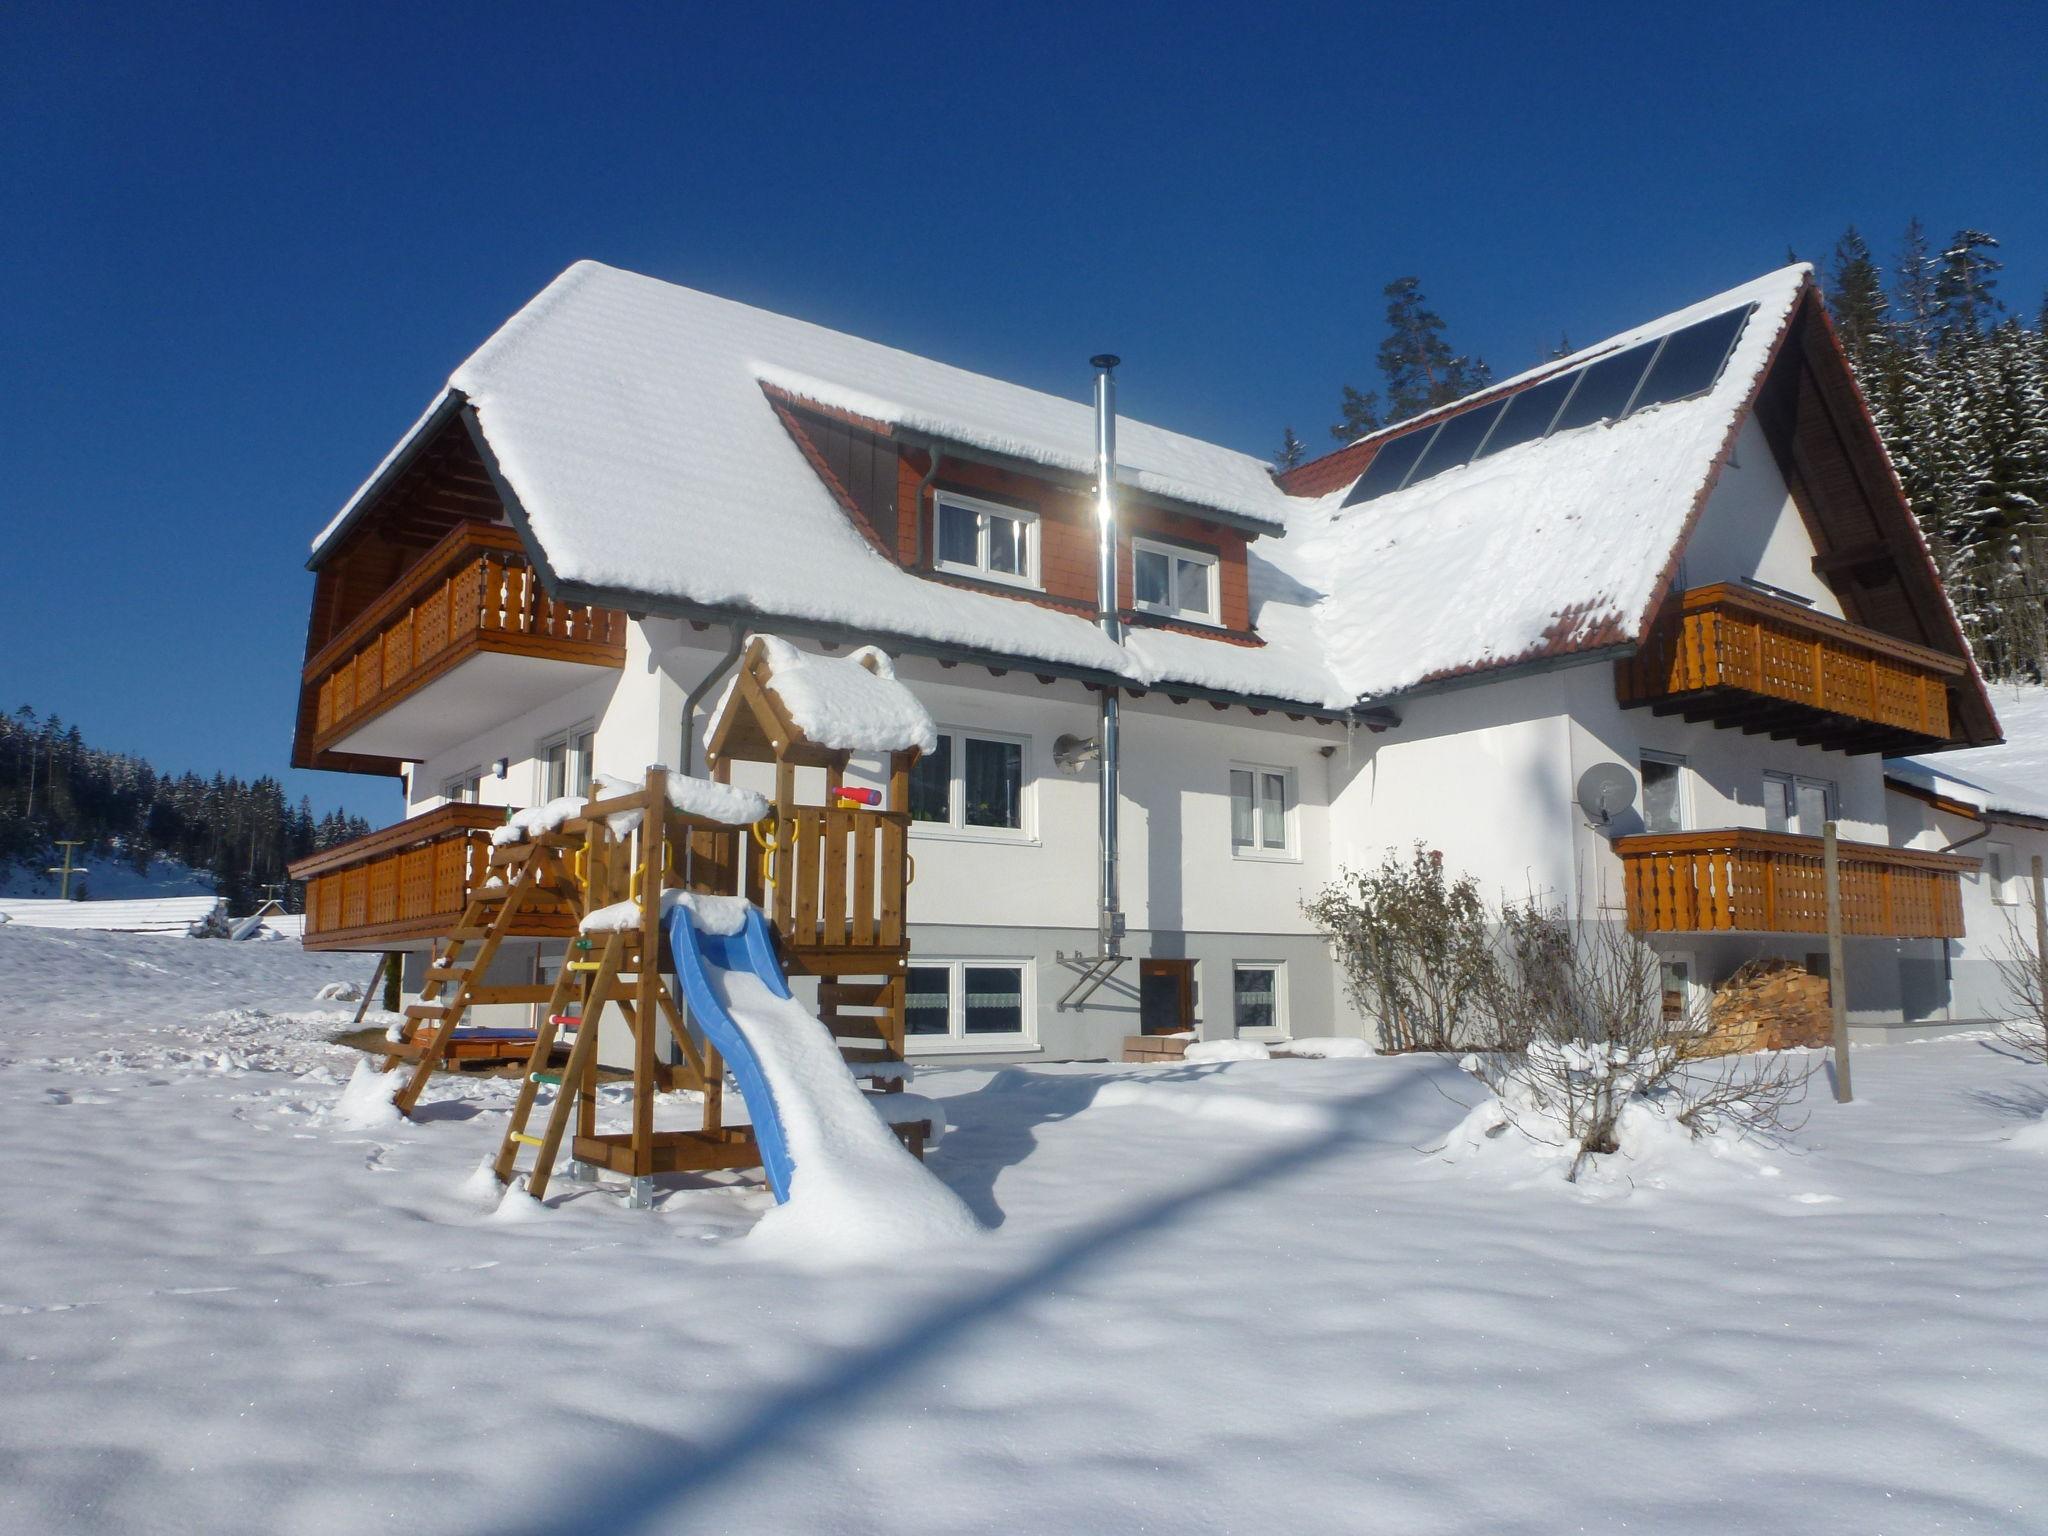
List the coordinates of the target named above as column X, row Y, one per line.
column 967, row 1005
column 985, row 539
column 1174, row 580
column 1256, row 998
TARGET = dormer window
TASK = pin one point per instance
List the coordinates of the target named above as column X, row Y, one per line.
column 985, row 539
column 1174, row 580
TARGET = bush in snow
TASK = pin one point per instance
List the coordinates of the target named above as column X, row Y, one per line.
column 2023, row 972
column 1584, row 1041
column 1415, row 946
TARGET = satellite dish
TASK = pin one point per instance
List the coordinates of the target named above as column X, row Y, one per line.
column 1605, row 791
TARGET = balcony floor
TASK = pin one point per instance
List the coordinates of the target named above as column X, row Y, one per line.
column 477, row 693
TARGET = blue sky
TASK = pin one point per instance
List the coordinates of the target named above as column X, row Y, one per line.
column 243, row 246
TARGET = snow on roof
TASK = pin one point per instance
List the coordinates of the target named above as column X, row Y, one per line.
column 848, row 703
column 2011, row 778
column 1550, row 546
column 629, row 417
column 149, row 914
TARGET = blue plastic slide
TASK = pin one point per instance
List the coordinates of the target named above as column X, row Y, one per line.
column 698, row 955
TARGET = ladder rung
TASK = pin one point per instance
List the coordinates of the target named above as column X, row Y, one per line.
column 553, row 1079
column 428, row 1010
column 447, row 972
column 586, row 965
column 468, row 935
column 525, row 1140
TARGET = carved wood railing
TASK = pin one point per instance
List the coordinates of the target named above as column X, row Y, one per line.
column 473, row 591
column 1748, row 881
column 1727, row 637
column 408, row 880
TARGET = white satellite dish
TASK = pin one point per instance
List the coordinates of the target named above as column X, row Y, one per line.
column 1605, row 791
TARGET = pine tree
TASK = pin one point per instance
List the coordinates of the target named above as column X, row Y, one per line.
column 1914, row 281
column 1358, row 414
column 1292, row 451
column 1963, row 282
column 1856, row 297
column 1420, row 368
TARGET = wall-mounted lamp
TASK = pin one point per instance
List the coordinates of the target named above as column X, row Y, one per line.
column 502, row 766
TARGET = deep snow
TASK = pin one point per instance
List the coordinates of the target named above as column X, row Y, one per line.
column 1253, row 1296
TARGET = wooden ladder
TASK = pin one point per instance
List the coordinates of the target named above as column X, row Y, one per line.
column 585, row 986
column 529, row 876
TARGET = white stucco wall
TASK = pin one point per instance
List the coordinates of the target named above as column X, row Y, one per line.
column 1751, row 527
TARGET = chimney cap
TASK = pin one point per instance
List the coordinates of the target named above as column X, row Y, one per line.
column 1104, row 360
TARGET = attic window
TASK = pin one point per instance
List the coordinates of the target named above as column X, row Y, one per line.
column 1174, row 580
column 985, row 539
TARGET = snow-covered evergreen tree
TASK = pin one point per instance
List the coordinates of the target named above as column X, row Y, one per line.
column 1420, row 368
column 1357, row 414
column 1292, row 450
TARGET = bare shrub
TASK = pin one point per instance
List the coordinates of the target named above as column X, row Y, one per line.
column 1583, row 1036
column 2023, row 973
column 1415, row 947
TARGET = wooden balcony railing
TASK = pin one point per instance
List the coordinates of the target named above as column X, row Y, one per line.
column 1747, row 881
column 403, row 883
column 474, row 591
column 1738, row 657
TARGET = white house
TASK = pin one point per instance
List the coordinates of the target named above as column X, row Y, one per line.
column 1679, row 556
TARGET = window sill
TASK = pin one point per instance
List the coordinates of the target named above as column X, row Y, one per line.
column 1175, row 616
column 928, row 831
column 991, row 578
column 1265, row 856
column 948, row 1045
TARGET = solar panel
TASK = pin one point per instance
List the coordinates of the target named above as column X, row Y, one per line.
column 1526, row 416
column 1455, row 440
column 1605, row 387
column 1389, row 466
column 1691, row 360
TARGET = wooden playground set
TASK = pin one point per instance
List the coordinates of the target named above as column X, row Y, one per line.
column 830, row 877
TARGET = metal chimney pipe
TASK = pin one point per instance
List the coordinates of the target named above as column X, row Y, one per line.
column 1111, row 918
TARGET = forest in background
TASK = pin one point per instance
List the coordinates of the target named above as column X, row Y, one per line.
column 53, row 785
column 1957, row 384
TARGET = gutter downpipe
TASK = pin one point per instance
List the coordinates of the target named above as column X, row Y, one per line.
column 705, row 684
column 1111, row 918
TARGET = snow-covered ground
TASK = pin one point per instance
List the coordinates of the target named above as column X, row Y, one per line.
column 1247, row 1296
column 109, row 878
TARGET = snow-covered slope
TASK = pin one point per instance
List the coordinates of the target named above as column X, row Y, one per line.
column 1245, row 1297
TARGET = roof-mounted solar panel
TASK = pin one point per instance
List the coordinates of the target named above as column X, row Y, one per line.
column 1390, row 466
column 1692, row 359
column 1455, row 440
column 1605, row 388
column 1527, row 416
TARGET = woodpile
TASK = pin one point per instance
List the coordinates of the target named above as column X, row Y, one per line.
column 1769, row 1005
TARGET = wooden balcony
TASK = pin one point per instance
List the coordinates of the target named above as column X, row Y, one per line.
column 473, row 598
column 405, row 884
column 1736, row 657
column 1747, row 881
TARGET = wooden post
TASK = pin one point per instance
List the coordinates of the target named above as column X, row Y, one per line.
column 394, row 964
column 2040, row 923
column 1838, row 979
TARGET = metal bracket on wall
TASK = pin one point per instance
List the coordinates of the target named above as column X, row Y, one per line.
column 1094, row 971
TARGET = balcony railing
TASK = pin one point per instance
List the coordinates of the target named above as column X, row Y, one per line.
column 474, row 591
column 405, row 883
column 1747, row 881
column 1743, row 658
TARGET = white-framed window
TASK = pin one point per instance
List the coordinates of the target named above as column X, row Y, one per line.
column 1794, row 803
column 1261, row 812
column 1665, row 792
column 465, row 788
column 1258, row 998
column 974, row 784
column 985, row 539
column 980, row 1004
column 564, row 761
column 1175, row 580
column 2001, row 874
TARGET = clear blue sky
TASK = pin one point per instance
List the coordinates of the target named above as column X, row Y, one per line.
column 241, row 247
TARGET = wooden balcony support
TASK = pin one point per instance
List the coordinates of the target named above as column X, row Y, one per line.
column 1736, row 657
column 1745, row 881
column 473, row 592
column 406, row 883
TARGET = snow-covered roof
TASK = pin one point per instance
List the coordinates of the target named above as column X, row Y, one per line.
column 1551, row 546
column 846, row 703
column 2009, row 779
column 629, row 417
